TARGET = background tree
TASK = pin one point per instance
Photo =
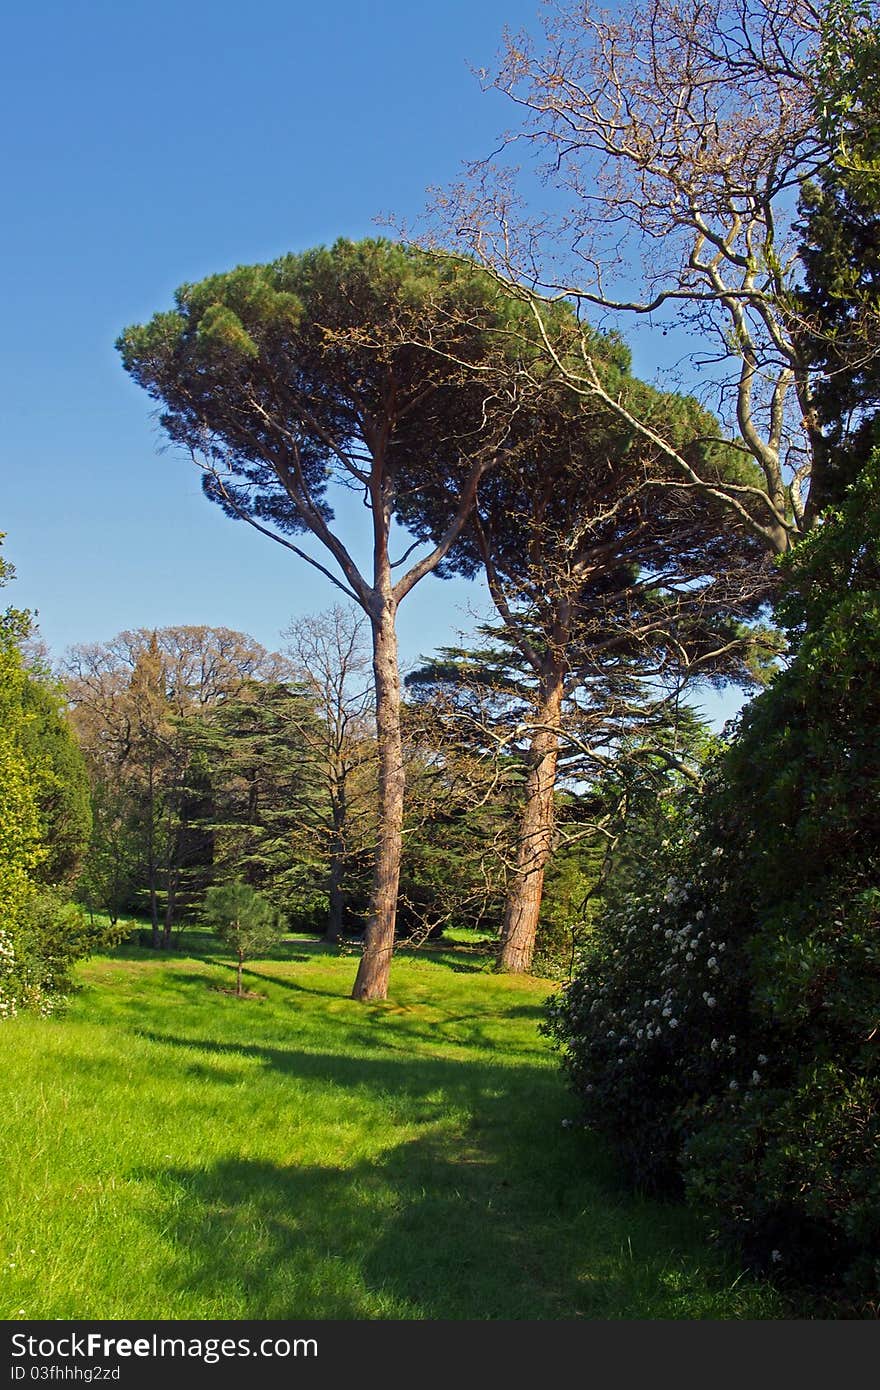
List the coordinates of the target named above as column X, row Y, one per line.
column 63, row 796
column 243, row 920
column 462, row 808
column 612, row 580
column 113, row 865
column 20, row 849
column 331, row 662
column 263, row 795
column 674, row 138
column 138, row 705
column 840, row 299
column 368, row 366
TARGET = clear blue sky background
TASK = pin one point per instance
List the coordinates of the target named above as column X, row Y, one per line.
column 151, row 144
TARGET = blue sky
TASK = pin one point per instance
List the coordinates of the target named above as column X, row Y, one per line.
column 152, row 144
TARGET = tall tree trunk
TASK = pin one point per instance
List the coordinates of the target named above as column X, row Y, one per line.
column 375, row 965
column 238, row 988
column 154, row 907
column 152, row 873
column 169, row 912
column 333, row 931
column 523, row 908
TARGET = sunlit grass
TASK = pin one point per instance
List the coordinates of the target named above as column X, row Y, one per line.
column 170, row 1151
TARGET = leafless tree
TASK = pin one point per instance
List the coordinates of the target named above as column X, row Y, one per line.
column 671, row 138
column 330, row 658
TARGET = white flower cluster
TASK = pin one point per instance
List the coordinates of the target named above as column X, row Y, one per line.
column 676, row 891
column 8, row 1002
column 676, row 925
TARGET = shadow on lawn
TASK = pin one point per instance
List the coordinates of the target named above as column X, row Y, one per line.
column 397, row 1024
column 397, row 1071
column 185, row 977
column 496, row 1211
column 425, row 1233
column 404, row 1031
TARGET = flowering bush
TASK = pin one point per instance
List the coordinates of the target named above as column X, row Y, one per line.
column 657, row 1019
column 724, row 1024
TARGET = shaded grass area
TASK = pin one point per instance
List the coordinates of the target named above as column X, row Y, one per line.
column 172, row 1152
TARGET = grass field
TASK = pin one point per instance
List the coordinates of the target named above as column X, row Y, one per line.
column 169, row 1151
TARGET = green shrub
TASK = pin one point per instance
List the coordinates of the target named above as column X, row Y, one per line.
column 791, row 1177
column 723, row 1025
column 44, row 823
column 38, row 952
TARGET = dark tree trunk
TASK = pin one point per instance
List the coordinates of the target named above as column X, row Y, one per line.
column 152, row 873
column 169, row 914
column 333, row 931
column 523, row 909
column 375, row 965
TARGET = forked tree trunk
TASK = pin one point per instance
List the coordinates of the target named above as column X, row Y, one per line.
column 535, row 841
column 372, row 976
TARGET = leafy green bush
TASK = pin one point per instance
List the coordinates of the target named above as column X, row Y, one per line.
column 44, row 824
column 724, row 1022
column 37, row 954
column 656, row 1018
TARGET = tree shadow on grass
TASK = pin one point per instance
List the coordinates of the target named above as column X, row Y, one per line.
column 398, row 1024
column 424, row 1232
column 389, row 1070
column 495, row 1211
column 218, row 963
column 448, row 958
column 403, row 1032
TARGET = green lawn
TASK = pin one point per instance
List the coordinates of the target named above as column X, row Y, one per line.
column 169, row 1151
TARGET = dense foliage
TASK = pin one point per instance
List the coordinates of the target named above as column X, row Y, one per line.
column 840, row 301
column 723, row 1025
column 44, row 826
